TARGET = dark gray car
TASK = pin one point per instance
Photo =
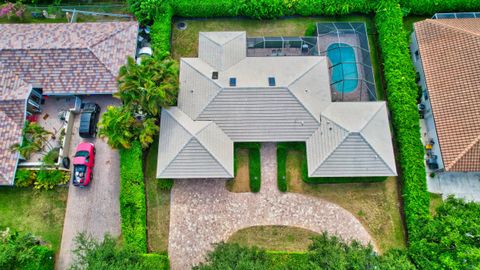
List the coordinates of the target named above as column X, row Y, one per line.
column 88, row 120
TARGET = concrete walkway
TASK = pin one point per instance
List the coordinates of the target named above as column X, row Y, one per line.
column 461, row 185
column 204, row 212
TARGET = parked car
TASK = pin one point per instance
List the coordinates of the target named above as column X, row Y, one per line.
column 88, row 120
column 83, row 163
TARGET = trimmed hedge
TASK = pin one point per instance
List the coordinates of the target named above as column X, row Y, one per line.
column 282, row 169
column 268, row 9
column 156, row 261
column 254, row 163
column 430, row 7
column 132, row 198
column 161, row 30
column 402, row 96
column 282, row 150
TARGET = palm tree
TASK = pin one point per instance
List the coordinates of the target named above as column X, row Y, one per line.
column 119, row 126
column 149, row 86
column 34, row 137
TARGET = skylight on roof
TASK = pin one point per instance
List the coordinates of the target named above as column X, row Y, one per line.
column 271, row 81
column 233, row 81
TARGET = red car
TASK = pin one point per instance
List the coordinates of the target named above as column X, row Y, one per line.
column 83, row 164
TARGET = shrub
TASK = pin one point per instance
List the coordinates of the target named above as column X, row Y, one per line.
column 165, row 184
column 132, row 198
column 48, row 179
column 255, row 169
column 311, row 30
column 147, row 10
column 25, row 178
column 206, row 8
column 156, row 261
column 401, row 95
column 24, row 251
column 282, row 169
column 263, row 9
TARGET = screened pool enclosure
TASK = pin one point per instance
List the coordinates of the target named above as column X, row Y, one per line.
column 346, row 46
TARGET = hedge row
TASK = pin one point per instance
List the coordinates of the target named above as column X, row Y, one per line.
column 254, row 163
column 156, row 261
column 161, row 30
column 267, row 9
column 402, row 95
column 132, row 198
column 430, row 7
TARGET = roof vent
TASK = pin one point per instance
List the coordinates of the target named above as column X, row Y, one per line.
column 271, row 81
column 233, row 81
column 214, row 75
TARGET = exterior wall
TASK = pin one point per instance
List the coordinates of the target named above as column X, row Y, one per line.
column 430, row 131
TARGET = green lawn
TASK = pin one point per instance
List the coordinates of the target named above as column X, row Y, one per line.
column 185, row 42
column 39, row 212
column 277, row 238
column 158, row 205
column 376, row 205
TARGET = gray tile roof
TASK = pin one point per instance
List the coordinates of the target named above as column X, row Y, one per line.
column 13, row 95
column 192, row 149
column 342, row 139
column 79, row 58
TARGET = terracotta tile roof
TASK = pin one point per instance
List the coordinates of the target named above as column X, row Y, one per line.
column 450, row 54
column 79, row 58
column 13, row 95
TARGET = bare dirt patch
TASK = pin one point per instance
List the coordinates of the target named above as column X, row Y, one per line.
column 241, row 182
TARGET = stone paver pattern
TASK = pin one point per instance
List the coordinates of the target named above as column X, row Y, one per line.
column 95, row 209
column 203, row 212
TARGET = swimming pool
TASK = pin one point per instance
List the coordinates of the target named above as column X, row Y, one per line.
column 344, row 67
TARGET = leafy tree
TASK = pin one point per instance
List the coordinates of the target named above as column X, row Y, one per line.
column 325, row 253
column 34, row 137
column 148, row 87
column 451, row 239
column 23, row 251
column 121, row 128
column 107, row 254
column 234, row 256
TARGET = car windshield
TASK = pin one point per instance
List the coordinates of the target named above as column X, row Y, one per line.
column 79, row 172
column 81, row 154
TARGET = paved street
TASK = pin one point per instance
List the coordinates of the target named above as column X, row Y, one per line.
column 203, row 212
column 94, row 209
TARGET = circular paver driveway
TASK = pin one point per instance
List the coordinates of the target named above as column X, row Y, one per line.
column 204, row 212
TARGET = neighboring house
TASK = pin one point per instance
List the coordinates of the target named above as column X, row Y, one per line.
column 227, row 97
column 446, row 53
column 55, row 60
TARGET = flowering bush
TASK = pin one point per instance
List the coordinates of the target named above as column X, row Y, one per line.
column 10, row 10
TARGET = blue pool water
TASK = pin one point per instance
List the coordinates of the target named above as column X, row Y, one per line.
column 344, row 67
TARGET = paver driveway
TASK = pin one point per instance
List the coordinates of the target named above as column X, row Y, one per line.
column 204, row 212
column 96, row 208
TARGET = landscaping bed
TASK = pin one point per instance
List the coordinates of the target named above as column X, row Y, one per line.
column 39, row 212
column 375, row 204
column 241, row 182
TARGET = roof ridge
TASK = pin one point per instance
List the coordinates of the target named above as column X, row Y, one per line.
column 209, row 152
column 452, row 27
column 378, row 155
column 100, row 61
column 333, row 150
column 210, row 80
column 214, row 41
column 373, row 115
column 463, row 153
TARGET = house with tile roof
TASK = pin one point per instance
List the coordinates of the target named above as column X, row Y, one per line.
column 226, row 97
column 446, row 53
column 58, row 59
